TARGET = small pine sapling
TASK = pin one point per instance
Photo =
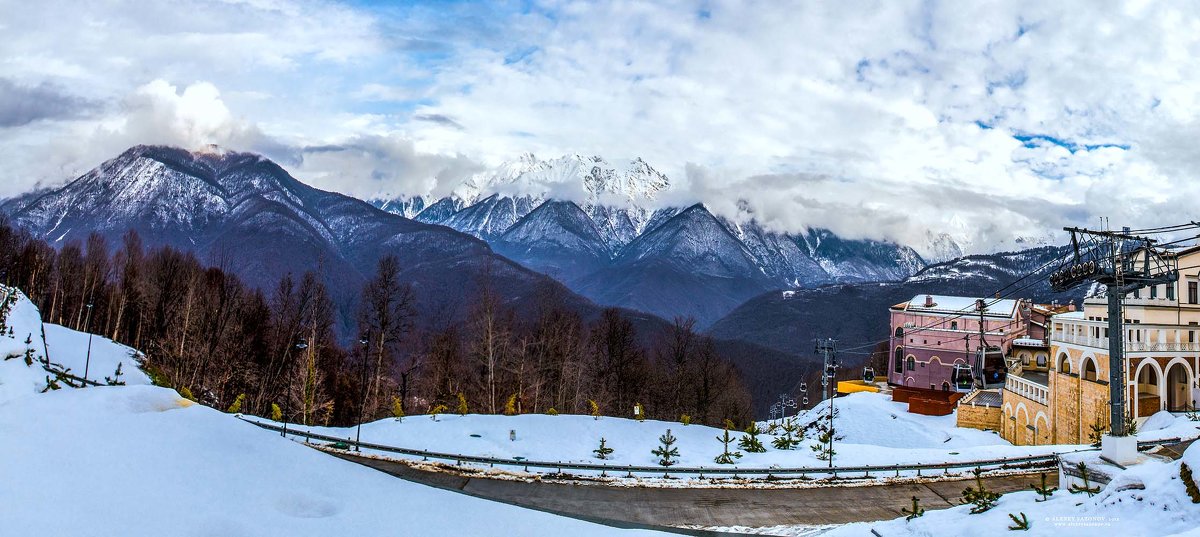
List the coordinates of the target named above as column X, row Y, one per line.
column 462, row 404
column 551, row 412
column 916, row 512
column 276, row 413
column 979, row 496
column 1045, row 491
column 603, row 451
column 594, row 409
column 685, row 420
column 1096, row 434
column 1189, row 482
column 750, row 442
column 788, row 439
column 727, row 457
column 510, row 406
column 236, row 407
column 437, row 409
column 51, row 384
column 397, row 409
column 29, row 350
column 825, row 439
column 1087, row 483
column 666, row 451
column 639, row 412
column 115, row 380
column 1019, row 524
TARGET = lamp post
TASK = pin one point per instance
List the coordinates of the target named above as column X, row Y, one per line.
column 287, row 399
column 87, row 327
column 362, row 402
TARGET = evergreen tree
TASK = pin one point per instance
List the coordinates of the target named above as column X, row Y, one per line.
column 727, row 457
column 397, row 409
column 236, row 407
column 115, row 380
column 276, row 413
column 1019, row 524
column 666, row 451
column 1087, row 484
column 462, row 404
column 594, row 409
column 603, row 451
column 916, row 512
column 825, row 438
column 29, row 350
column 787, row 440
column 750, row 442
column 982, row 498
column 437, row 409
column 1045, row 490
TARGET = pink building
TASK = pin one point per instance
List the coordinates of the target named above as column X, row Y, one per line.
column 936, row 339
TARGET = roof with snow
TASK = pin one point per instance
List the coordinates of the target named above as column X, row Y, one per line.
column 943, row 304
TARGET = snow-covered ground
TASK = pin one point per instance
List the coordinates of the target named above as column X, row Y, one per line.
column 139, row 460
column 876, row 431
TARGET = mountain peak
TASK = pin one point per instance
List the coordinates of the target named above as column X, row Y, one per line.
column 589, row 180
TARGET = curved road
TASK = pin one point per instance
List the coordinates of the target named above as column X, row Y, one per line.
column 677, row 507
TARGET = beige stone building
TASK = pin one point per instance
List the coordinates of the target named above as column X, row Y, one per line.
column 1062, row 398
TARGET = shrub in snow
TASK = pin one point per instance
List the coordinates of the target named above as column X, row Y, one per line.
column 115, row 380
column 916, row 512
column 603, row 451
column 397, row 409
column 825, row 439
column 639, row 412
column 551, row 412
column 1045, row 490
column 510, row 406
column 1189, row 482
column 979, row 496
column 727, row 457
column 462, row 404
column 437, row 409
column 186, row 394
column 595, row 409
column 750, row 442
column 276, row 414
column 236, row 407
column 29, row 349
column 1019, row 524
column 685, row 420
column 665, row 451
column 51, row 384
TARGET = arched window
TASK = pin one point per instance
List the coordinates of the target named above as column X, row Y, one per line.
column 911, row 363
column 898, row 366
column 899, row 331
column 1041, row 360
column 945, row 386
column 1089, row 369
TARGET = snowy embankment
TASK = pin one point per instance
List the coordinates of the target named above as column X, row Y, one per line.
column 875, row 431
column 139, row 460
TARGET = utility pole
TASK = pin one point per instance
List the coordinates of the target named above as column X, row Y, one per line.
column 1122, row 263
column 981, row 362
column 826, row 348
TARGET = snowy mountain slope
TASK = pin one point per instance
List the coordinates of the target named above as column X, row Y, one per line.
column 557, row 239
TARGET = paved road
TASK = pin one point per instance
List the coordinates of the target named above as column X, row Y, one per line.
column 651, row 507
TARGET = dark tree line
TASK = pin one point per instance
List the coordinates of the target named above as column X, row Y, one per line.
column 203, row 329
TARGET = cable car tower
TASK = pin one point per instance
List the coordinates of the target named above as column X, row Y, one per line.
column 1122, row 263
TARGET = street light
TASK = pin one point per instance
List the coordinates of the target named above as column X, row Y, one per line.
column 362, row 402
column 287, row 399
column 87, row 327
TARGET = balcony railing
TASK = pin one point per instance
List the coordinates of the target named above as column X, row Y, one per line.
column 1027, row 388
column 1130, row 346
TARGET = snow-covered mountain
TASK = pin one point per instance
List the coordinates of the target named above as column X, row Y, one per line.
column 245, row 213
column 637, row 262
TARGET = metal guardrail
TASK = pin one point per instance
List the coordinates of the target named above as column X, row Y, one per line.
column 1016, row 463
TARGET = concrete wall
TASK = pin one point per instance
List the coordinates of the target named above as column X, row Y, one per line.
column 979, row 417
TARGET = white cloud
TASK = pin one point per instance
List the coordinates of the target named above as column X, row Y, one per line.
column 881, row 120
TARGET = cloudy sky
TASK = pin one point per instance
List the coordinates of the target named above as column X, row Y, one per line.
column 886, row 119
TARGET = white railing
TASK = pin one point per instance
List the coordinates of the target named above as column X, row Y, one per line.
column 1027, row 388
column 1080, row 339
column 1130, row 346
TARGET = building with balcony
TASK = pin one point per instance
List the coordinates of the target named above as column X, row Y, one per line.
column 936, row 339
column 1067, row 402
